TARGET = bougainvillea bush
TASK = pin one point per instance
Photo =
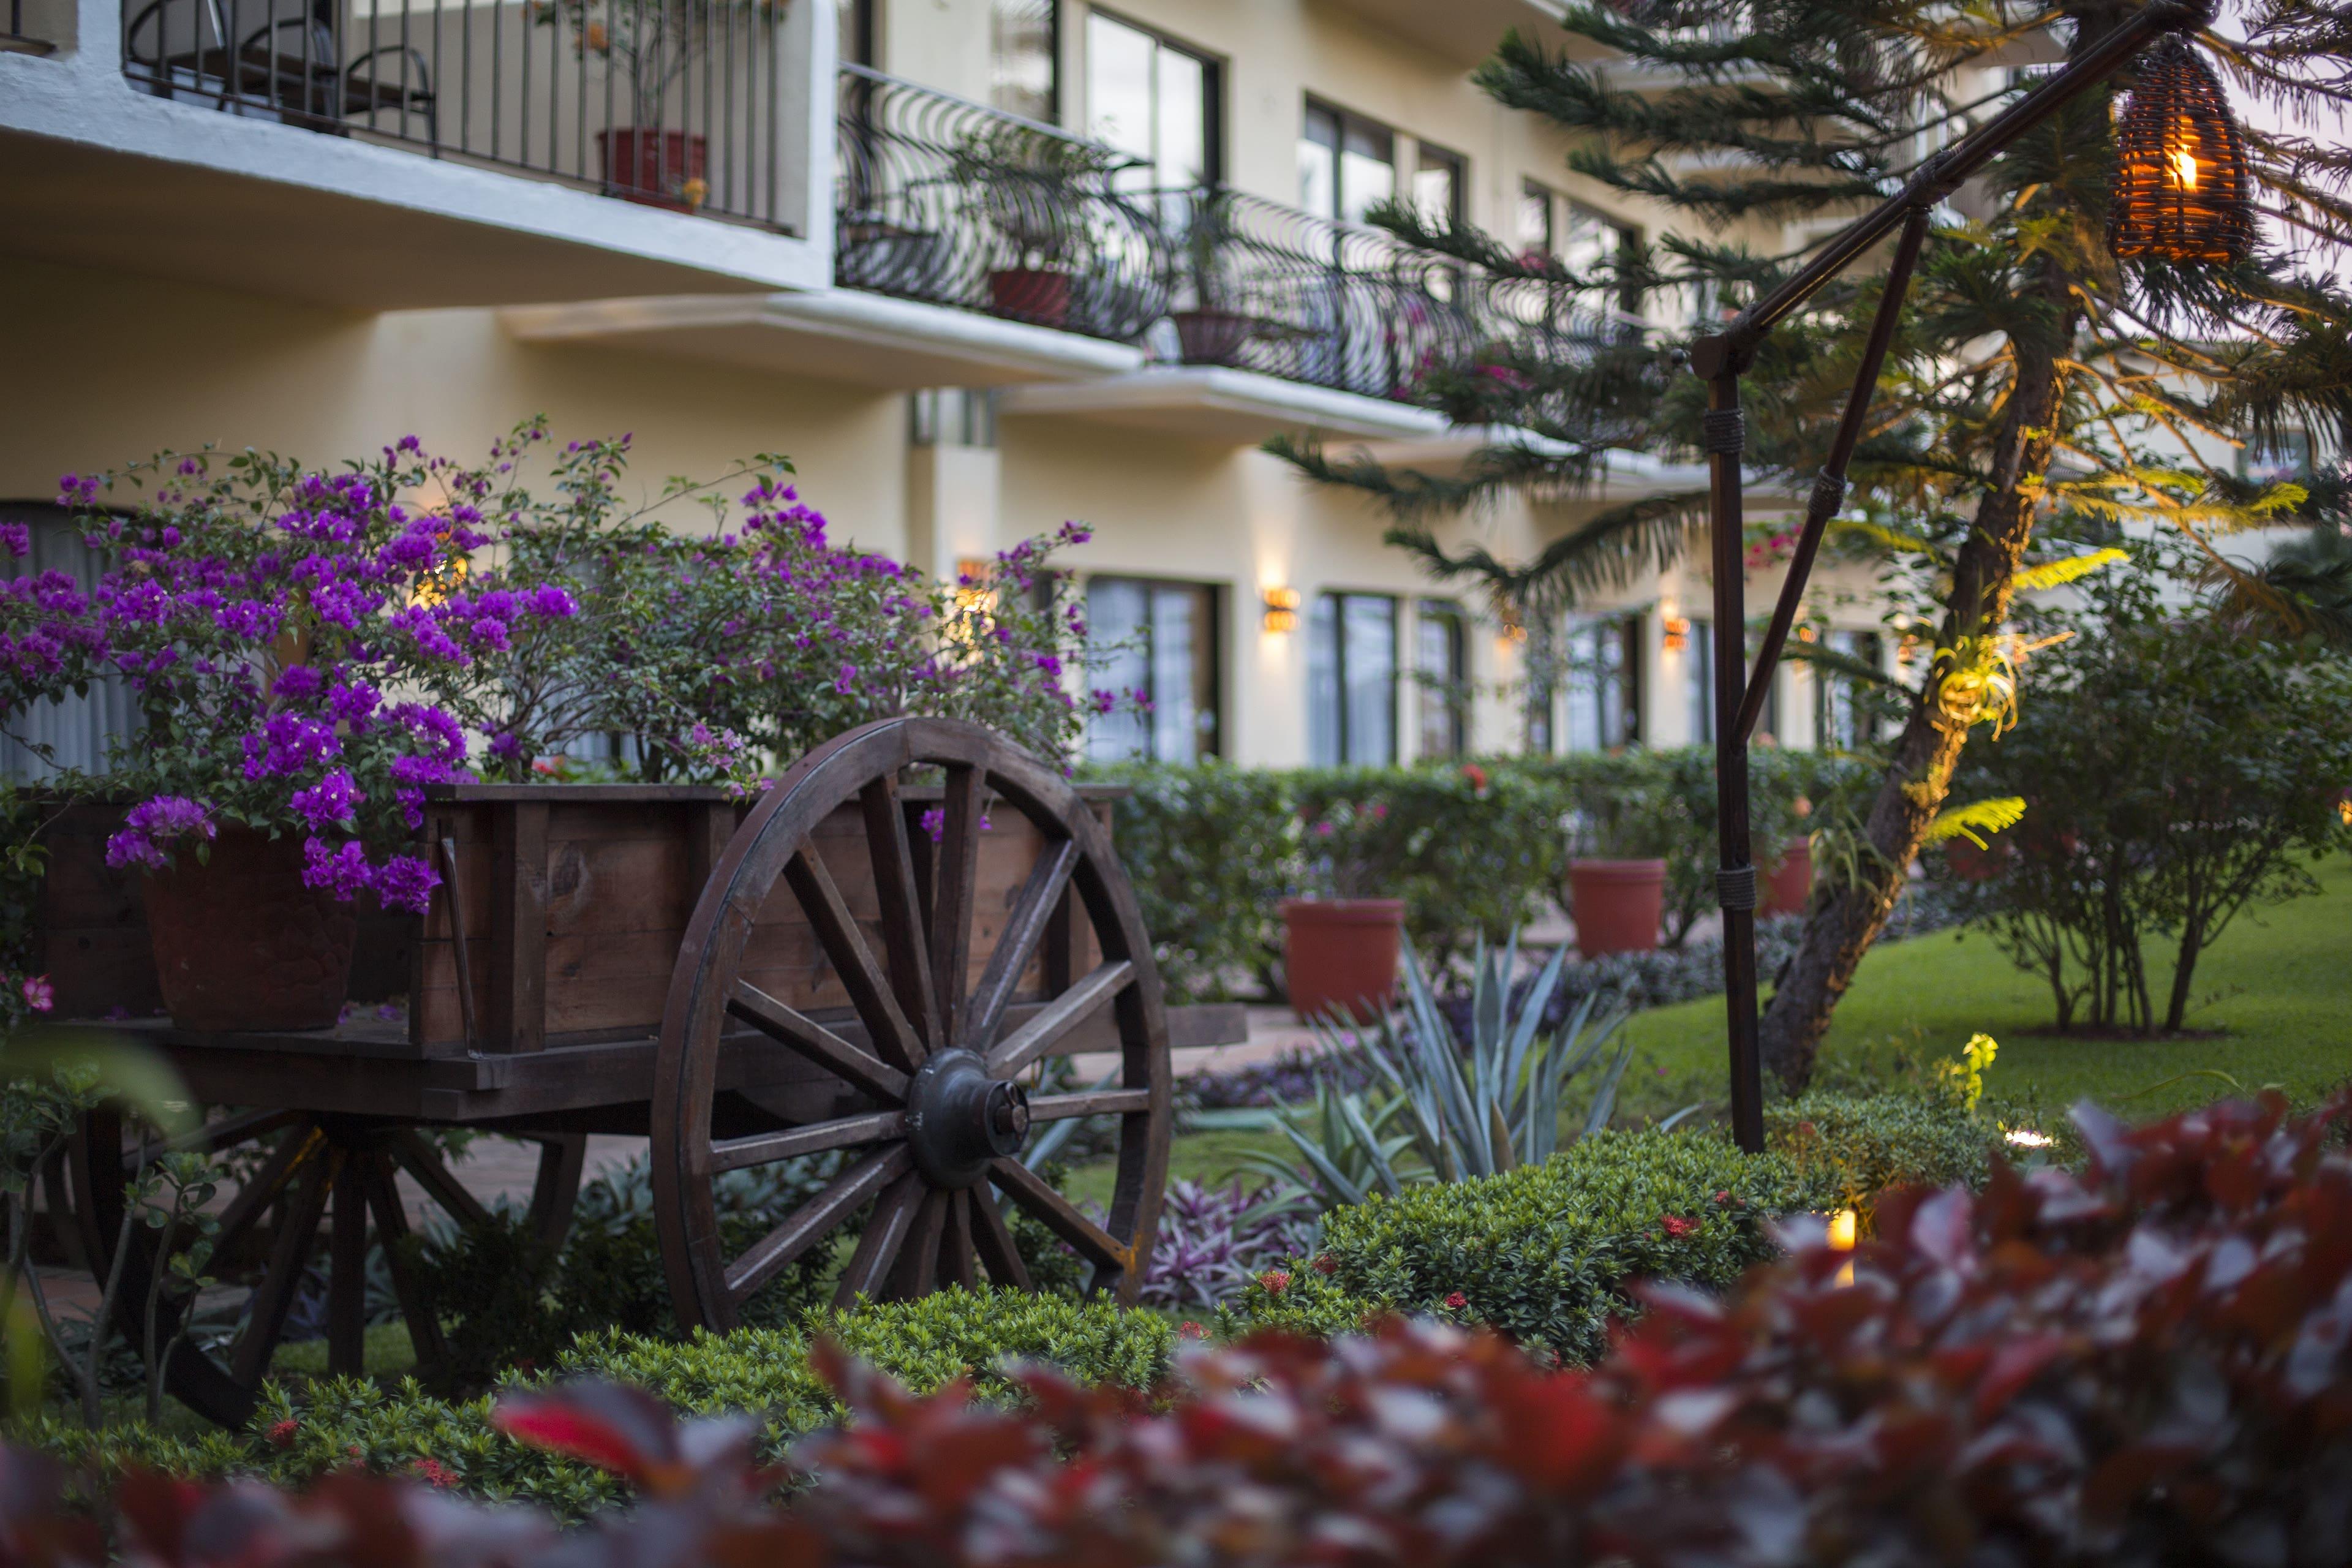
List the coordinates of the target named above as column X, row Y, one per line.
column 2147, row 1364
column 308, row 649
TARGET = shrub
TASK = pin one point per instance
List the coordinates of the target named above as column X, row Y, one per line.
column 1208, row 850
column 1547, row 1253
column 1848, row 1148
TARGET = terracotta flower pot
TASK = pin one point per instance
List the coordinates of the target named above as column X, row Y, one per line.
column 1211, row 337
column 1616, row 904
column 1790, row 890
column 1340, row 955
column 1031, row 294
column 240, row 943
column 655, row 168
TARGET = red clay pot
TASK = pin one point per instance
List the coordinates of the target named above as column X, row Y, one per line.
column 1616, row 904
column 240, row 943
column 1339, row 955
column 1970, row 864
column 1790, row 890
column 652, row 167
column 1211, row 337
column 1031, row 294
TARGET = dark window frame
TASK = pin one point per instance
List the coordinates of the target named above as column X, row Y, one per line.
column 1209, row 675
column 1454, row 682
column 1054, row 104
column 1212, row 86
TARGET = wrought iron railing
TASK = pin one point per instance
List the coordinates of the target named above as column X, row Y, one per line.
column 671, row 103
column 949, row 202
column 15, row 39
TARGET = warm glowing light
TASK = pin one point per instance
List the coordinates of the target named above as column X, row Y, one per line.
column 1844, row 1227
column 2183, row 164
column 1678, row 631
column 437, row 585
column 2026, row 1138
column 1281, row 608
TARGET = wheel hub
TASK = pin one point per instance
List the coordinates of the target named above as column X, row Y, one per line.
column 958, row 1118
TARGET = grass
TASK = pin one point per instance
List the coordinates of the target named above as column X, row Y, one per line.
column 2275, row 991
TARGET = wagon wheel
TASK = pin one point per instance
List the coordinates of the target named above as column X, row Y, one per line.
column 936, row 1112
column 310, row 1173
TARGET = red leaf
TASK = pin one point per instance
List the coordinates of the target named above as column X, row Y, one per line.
column 624, row 1430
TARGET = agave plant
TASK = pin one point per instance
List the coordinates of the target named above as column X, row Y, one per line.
column 1444, row 1109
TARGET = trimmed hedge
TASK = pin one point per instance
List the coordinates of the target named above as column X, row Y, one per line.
column 925, row 1344
column 1847, row 1148
column 1548, row 1253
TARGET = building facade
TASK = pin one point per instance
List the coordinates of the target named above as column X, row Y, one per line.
column 979, row 266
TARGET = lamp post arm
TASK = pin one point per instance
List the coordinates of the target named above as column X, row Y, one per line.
column 1829, row 486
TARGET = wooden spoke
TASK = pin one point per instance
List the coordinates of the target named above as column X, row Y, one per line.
column 993, row 1240
column 878, row 1244
column 423, row 1161
column 815, row 1220
column 214, row 1136
column 347, row 1272
column 289, row 1255
column 1061, row 957
column 959, row 878
column 1096, row 1102
column 740, row 1153
column 238, row 1214
column 844, row 945
column 1033, row 911
column 955, row 1242
column 1058, row 1017
column 918, row 1268
column 1060, row 1215
column 557, row 1189
column 904, row 918
column 417, row 1308
column 817, row 1042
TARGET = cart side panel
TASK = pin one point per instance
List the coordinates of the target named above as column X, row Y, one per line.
column 94, row 921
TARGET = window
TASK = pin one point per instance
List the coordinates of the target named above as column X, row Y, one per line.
column 1604, row 684
column 1842, row 717
column 1443, row 666
column 1698, row 680
column 856, row 32
column 74, row 732
column 1535, row 218
column 1439, row 184
column 1150, row 97
column 1351, row 678
column 1160, row 641
column 1345, row 162
column 1593, row 239
column 1024, row 51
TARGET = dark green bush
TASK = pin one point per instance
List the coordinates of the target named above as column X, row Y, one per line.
column 1847, row 1148
column 1544, row 1253
column 925, row 1344
column 1210, row 850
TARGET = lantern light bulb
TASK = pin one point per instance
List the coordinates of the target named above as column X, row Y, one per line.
column 2184, row 168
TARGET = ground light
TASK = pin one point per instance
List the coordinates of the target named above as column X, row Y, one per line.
column 2192, row 208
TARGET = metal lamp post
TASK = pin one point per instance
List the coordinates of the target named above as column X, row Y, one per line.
column 2161, row 209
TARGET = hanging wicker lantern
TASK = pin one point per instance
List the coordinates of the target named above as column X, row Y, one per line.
column 2180, row 177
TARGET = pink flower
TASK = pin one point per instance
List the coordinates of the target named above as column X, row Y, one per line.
column 39, row 994
column 1274, row 1281
column 436, row 1473
column 1191, row 1331
column 1456, row 1301
column 1675, row 1225
column 282, row 1435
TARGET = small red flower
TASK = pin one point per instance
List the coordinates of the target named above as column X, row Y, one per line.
column 1476, row 776
column 1457, row 1301
column 1275, row 1280
column 353, row 1450
column 1676, row 1225
column 1191, row 1331
column 1325, row 1263
column 282, row 1434
column 434, row 1472
column 1722, row 1198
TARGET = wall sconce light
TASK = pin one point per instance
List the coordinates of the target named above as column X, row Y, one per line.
column 1281, row 609
column 1677, row 632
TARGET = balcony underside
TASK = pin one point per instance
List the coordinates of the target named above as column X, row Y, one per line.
column 863, row 340
column 1466, row 30
column 87, row 206
column 1238, row 408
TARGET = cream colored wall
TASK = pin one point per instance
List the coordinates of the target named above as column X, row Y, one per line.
column 113, row 367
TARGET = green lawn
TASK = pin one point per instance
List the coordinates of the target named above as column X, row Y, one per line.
column 2278, row 987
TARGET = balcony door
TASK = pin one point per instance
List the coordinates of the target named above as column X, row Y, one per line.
column 1349, row 335
column 1154, row 100
column 1159, row 641
column 1023, row 59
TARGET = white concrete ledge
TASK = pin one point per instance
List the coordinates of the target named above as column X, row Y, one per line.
column 866, row 340
column 1213, row 403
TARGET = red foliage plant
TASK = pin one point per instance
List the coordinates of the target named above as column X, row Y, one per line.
column 2151, row 1364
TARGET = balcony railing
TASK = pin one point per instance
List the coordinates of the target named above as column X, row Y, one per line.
column 671, row 103
column 944, row 200
column 950, row 203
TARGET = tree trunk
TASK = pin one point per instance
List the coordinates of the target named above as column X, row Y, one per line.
column 1919, row 776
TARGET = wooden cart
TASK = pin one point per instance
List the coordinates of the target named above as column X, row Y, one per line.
column 849, row 962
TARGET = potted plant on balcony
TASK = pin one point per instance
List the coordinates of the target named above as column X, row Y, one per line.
column 1035, row 193
column 1618, row 840
column 1341, row 940
column 1213, row 329
column 651, row 51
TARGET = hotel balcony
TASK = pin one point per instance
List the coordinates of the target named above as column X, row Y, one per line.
column 395, row 154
